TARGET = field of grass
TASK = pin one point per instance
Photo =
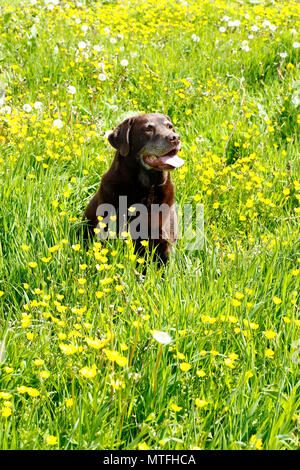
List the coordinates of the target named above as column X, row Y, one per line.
column 82, row 365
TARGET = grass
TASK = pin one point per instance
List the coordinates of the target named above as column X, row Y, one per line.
column 79, row 365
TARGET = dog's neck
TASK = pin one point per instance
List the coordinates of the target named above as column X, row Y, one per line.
column 150, row 178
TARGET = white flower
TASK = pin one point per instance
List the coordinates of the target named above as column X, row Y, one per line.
column 106, row 30
column 283, row 55
column 296, row 45
column 98, row 48
column 272, row 27
column 81, row 45
column 250, row 36
column 254, row 28
column 195, row 38
column 27, row 108
column 71, row 90
column 5, row 110
column 124, row 62
column 84, row 28
column 38, row 105
column 113, row 40
column 266, row 24
column 245, row 46
column 102, row 77
column 222, row 29
column 234, row 24
column 58, row 123
column 161, row 337
column 225, row 18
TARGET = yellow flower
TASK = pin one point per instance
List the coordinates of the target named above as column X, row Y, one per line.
column 277, row 300
column 229, row 362
column 45, row 374
column 5, row 395
column 32, row 264
column 54, row 248
column 143, row 446
column 89, row 372
column 121, row 360
column 239, row 295
column 6, row 412
column 51, row 440
column 69, row 402
column 255, row 442
column 33, row 392
column 25, row 322
column 201, row 373
column 269, row 353
column 248, row 375
column 185, row 366
column 96, row 343
column 38, row 362
column 175, row 407
column 200, row 403
column 76, row 247
column 68, row 348
column 8, row 403
column 180, row 356
column 270, row 334
column 112, row 355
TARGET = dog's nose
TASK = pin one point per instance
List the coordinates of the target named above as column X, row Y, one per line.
column 174, row 138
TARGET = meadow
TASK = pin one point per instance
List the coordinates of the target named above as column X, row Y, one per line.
column 92, row 354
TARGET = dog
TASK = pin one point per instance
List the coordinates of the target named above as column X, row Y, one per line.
column 146, row 152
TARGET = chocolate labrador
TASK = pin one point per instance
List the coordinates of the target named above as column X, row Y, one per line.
column 146, row 151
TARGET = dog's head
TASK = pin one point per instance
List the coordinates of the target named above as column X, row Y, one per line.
column 148, row 140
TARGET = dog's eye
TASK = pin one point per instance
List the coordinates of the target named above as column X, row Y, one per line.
column 148, row 127
column 169, row 125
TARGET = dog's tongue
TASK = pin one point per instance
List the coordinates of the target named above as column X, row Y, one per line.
column 175, row 161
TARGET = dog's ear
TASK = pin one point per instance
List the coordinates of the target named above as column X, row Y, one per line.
column 119, row 138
